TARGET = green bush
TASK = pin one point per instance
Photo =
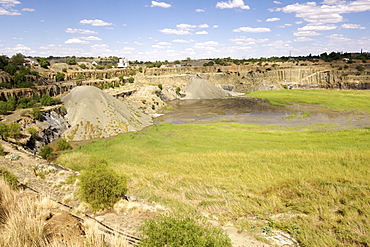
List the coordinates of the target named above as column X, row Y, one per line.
column 9, row 177
column 100, row 185
column 2, row 152
column 46, row 152
column 32, row 131
column 47, row 100
column 182, row 231
column 62, row 144
column 36, row 113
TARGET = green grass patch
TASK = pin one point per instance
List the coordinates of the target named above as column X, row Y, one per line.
column 315, row 183
column 344, row 100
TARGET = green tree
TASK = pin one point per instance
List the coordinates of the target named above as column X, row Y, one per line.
column 181, row 230
column 14, row 130
column 17, row 59
column 32, row 131
column 4, row 132
column 59, row 76
column 3, row 62
column 100, row 185
column 9, row 177
column 36, row 113
column 46, row 152
column 71, row 61
column 131, row 79
column 62, row 144
column 44, row 63
column 47, row 100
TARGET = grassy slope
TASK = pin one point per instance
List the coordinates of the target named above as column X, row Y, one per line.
column 313, row 184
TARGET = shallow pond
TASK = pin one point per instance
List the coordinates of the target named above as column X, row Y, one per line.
column 257, row 111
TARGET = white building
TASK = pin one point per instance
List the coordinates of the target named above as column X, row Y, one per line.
column 123, row 63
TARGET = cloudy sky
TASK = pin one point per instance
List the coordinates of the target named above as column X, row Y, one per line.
column 176, row 29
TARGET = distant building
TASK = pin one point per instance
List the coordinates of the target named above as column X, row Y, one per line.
column 123, row 63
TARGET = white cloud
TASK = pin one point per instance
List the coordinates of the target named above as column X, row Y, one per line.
column 7, row 7
column 252, row 29
column 272, row 19
column 162, row 45
column 203, row 26
column 185, row 26
column 80, row 31
column 100, row 46
column 201, row 32
column 200, row 10
column 75, row 41
column 352, row 26
column 96, row 22
column 277, row 2
column 303, row 39
column 232, row 4
column 91, row 38
column 306, row 33
column 19, row 48
column 317, row 28
column 338, row 37
column 174, row 31
column 182, row 41
column 160, row 4
column 206, row 45
column 138, row 43
column 28, row 9
column 215, row 26
column 286, row 25
column 248, row 41
column 329, row 12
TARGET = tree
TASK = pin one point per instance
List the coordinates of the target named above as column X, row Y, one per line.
column 46, row 152
column 131, row 79
column 14, row 130
column 3, row 62
column 59, row 76
column 62, row 144
column 43, row 62
column 47, row 100
column 36, row 113
column 100, row 185
column 71, row 61
column 17, row 59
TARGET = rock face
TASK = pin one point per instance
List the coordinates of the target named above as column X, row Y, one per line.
column 92, row 113
column 202, row 89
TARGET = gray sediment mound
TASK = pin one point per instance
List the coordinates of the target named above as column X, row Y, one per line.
column 93, row 113
column 202, row 89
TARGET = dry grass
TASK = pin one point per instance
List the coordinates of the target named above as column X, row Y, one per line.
column 22, row 223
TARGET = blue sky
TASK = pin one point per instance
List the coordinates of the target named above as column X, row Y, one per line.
column 168, row 30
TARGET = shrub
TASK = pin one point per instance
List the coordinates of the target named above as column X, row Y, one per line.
column 131, row 79
column 62, row 144
column 47, row 100
column 9, row 178
column 46, row 152
column 36, row 113
column 2, row 152
column 182, row 231
column 60, row 76
column 100, row 185
column 32, row 131
column 160, row 86
column 14, row 130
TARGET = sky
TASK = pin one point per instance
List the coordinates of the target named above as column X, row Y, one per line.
column 171, row 30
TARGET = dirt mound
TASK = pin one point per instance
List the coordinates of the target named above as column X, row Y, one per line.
column 202, row 89
column 92, row 113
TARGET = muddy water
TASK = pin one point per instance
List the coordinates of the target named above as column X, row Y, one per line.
column 257, row 111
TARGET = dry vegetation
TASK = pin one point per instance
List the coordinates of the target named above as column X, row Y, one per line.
column 28, row 220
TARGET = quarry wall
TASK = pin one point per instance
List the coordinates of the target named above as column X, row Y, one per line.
column 242, row 78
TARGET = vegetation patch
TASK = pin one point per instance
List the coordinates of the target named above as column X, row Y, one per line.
column 317, row 179
column 343, row 100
